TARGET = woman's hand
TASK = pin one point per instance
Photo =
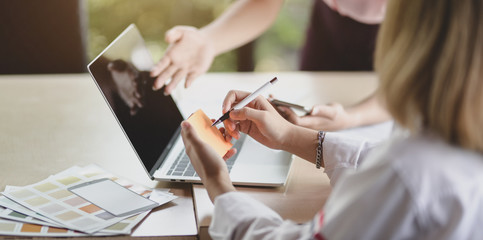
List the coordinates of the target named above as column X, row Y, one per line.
column 207, row 163
column 258, row 119
column 329, row 117
column 333, row 116
column 189, row 54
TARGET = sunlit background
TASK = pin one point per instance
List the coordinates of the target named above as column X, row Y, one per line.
column 276, row 50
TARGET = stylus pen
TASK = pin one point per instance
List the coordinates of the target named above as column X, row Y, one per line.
column 246, row 100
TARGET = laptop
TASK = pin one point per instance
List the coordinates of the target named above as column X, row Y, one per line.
column 151, row 121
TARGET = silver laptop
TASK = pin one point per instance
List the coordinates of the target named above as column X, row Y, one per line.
column 151, row 121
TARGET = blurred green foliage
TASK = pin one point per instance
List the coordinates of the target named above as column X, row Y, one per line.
column 276, row 49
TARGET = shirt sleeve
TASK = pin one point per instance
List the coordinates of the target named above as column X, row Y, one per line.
column 346, row 150
column 238, row 216
column 342, row 152
column 373, row 202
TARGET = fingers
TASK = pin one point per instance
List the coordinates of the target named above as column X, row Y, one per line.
column 254, row 115
column 231, row 98
column 229, row 125
column 175, row 79
column 160, row 66
column 309, row 121
column 262, row 103
column 187, row 56
column 159, row 71
column 223, row 131
column 229, row 131
column 229, row 154
column 228, row 138
column 257, row 111
column 190, row 79
column 164, row 76
column 235, row 96
column 232, row 129
column 176, row 73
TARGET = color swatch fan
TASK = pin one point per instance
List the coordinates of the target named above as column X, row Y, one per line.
column 48, row 208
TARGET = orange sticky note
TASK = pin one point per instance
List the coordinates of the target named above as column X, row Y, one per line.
column 211, row 135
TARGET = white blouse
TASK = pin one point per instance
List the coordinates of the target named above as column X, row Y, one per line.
column 416, row 187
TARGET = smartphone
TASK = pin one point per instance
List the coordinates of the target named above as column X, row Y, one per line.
column 277, row 102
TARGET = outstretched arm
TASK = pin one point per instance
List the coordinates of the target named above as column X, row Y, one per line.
column 191, row 51
column 242, row 22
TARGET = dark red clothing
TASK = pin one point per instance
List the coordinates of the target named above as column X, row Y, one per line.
column 337, row 43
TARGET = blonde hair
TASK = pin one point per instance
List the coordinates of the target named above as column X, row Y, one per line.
column 429, row 59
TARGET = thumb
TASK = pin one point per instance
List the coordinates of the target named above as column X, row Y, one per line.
column 188, row 132
column 173, row 35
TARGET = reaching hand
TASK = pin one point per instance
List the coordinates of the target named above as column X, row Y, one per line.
column 258, row 119
column 124, row 76
column 207, row 163
column 330, row 117
column 189, row 54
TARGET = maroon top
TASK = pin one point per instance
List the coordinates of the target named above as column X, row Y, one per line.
column 337, row 43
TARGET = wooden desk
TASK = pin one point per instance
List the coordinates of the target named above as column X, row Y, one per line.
column 52, row 122
column 307, row 187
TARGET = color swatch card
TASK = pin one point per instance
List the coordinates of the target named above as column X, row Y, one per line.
column 9, row 214
column 52, row 199
column 14, row 211
column 123, row 227
column 161, row 196
column 209, row 134
column 39, row 229
column 12, row 228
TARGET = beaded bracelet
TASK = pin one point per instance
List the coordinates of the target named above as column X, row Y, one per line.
column 320, row 138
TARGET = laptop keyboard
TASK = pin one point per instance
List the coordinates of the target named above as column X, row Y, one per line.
column 182, row 165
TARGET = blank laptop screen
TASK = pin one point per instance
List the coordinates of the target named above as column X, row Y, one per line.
column 148, row 118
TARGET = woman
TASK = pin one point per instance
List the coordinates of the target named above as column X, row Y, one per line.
column 426, row 183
